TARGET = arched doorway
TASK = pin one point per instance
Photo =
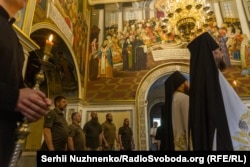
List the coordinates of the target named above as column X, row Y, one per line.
column 144, row 105
column 156, row 99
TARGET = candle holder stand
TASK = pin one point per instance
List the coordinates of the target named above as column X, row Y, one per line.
column 23, row 128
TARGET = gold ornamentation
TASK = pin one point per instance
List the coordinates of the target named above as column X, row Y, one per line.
column 243, row 136
column 181, row 142
column 187, row 18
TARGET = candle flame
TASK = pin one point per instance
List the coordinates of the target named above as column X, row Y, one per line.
column 51, row 38
column 235, row 83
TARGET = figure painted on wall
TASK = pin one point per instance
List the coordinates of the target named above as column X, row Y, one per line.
column 127, row 53
column 93, row 56
column 105, row 65
column 116, row 50
column 93, row 62
column 41, row 3
column 80, row 42
column 94, row 46
column 66, row 70
column 94, row 33
column 20, row 18
column 246, row 46
column 73, row 14
column 140, row 55
column 159, row 4
column 83, row 45
column 238, row 39
column 60, row 6
column 245, row 55
column 93, row 67
column 234, row 42
column 149, row 33
column 222, row 38
column 76, row 40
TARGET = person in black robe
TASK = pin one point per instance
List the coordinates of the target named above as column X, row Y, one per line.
column 93, row 68
column 125, row 54
column 16, row 101
column 222, row 39
column 140, row 57
column 173, row 82
column 208, row 124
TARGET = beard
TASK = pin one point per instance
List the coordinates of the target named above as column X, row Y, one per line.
column 95, row 119
column 221, row 65
column 126, row 125
column 62, row 108
column 186, row 90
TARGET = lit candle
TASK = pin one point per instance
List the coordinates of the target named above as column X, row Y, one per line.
column 48, row 45
column 235, row 84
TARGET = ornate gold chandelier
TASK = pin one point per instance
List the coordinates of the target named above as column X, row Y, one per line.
column 187, row 18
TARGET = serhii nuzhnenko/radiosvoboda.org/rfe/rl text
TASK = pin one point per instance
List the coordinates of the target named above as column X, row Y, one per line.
column 120, row 158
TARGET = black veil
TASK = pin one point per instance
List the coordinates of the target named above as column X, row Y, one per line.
column 206, row 106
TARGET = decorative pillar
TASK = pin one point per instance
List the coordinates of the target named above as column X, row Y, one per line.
column 120, row 21
column 23, row 27
column 217, row 13
column 101, row 26
column 28, row 46
column 243, row 19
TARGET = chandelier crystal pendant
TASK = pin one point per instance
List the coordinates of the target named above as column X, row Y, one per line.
column 187, row 18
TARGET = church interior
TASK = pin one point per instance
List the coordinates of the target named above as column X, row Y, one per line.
column 61, row 40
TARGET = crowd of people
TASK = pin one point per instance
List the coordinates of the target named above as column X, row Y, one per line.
column 93, row 136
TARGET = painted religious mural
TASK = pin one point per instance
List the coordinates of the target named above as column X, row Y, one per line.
column 122, row 51
column 145, row 41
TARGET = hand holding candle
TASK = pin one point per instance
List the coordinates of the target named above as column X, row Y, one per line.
column 48, row 45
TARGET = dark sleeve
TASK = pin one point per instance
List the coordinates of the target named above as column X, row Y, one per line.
column 9, row 93
column 85, row 127
column 120, row 131
column 103, row 126
column 8, row 97
column 72, row 131
column 49, row 119
column 11, row 63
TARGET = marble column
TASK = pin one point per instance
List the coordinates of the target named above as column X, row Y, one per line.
column 101, row 26
column 243, row 19
column 217, row 13
column 120, row 21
